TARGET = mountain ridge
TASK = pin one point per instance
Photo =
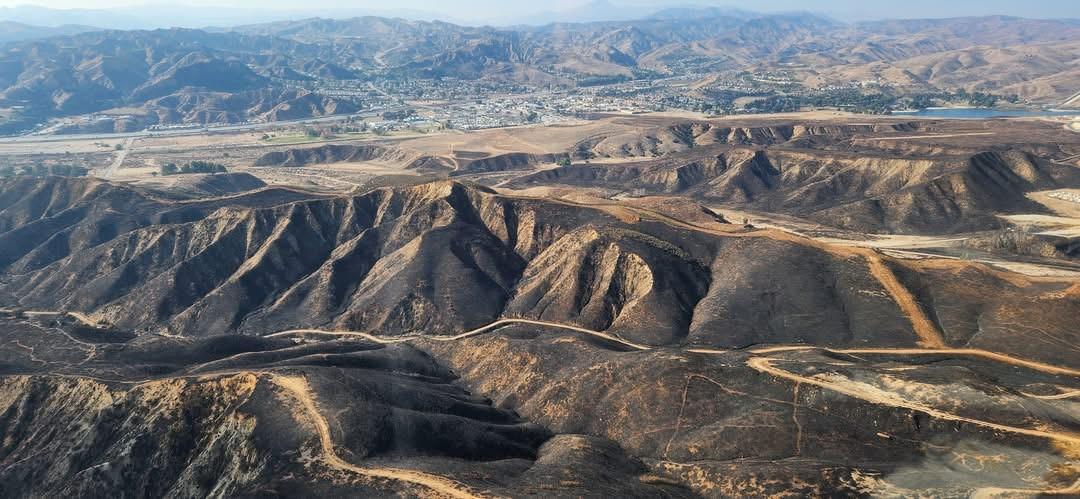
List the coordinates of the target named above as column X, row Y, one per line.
column 367, row 262
column 49, row 78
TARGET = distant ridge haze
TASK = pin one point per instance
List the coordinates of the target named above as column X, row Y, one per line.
column 123, row 14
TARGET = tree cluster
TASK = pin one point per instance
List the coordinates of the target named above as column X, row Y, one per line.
column 193, row 167
column 883, row 102
column 44, row 171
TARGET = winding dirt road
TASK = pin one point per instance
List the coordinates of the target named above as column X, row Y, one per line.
column 467, row 334
column 1060, row 396
column 928, row 336
column 764, row 364
column 959, row 352
column 298, row 388
column 881, row 397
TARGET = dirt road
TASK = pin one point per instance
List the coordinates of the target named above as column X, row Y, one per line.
column 874, row 395
column 958, row 352
column 121, row 155
column 297, row 387
column 467, row 334
column 759, row 360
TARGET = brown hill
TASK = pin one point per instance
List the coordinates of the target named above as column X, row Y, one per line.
column 817, row 172
column 458, row 164
column 334, row 153
column 652, row 356
column 234, row 416
column 441, row 257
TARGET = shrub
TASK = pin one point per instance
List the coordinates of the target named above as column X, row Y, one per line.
column 193, row 167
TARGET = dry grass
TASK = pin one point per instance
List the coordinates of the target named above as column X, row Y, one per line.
column 527, row 139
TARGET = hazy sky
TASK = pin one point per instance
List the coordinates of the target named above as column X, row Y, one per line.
column 494, row 9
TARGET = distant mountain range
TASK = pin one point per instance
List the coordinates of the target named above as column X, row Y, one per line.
column 11, row 31
column 228, row 75
column 184, row 16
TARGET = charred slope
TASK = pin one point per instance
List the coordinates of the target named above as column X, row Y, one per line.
column 597, row 277
column 445, row 257
column 97, row 412
column 195, row 186
column 850, row 190
column 45, row 220
column 963, row 198
column 238, row 416
column 441, row 257
column 334, row 153
column 685, row 136
column 1029, row 319
column 503, row 162
column 462, row 163
column 726, row 429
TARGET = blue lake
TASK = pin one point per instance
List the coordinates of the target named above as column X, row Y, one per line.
column 981, row 112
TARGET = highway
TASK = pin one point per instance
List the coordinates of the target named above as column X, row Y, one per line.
column 1072, row 100
column 249, row 127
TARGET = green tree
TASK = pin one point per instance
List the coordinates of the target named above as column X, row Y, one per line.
column 169, row 169
column 203, row 167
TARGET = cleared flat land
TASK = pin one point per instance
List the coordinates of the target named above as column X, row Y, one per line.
column 532, row 139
